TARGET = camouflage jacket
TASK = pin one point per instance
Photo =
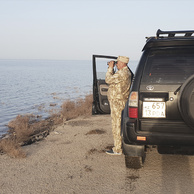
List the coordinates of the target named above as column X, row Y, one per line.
column 119, row 83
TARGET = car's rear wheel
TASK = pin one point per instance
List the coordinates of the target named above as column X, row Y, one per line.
column 94, row 111
column 134, row 162
column 186, row 101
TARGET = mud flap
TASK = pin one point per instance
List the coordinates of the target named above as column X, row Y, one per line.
column 133, row 150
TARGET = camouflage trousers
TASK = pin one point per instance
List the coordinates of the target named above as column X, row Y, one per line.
column 116, row 107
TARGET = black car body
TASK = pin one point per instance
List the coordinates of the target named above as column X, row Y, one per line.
column 160, row 110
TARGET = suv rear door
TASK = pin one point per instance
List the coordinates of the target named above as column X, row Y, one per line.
column 100, row 88
column 165, row 71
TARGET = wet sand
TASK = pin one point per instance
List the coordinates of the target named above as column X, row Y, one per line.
column 72, row 159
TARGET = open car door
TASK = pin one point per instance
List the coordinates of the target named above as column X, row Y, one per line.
column 100, row 88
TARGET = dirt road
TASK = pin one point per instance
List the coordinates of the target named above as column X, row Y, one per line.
column 72, row 159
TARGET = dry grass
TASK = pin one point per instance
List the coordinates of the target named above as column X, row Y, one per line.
column 22, row 128
column 23, row 131
column 74, row 109
column 12, row 148
column 26, row 129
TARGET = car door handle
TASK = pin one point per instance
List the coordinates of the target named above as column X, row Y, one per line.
column 104, row 89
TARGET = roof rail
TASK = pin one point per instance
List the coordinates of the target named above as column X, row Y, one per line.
column 188, row 33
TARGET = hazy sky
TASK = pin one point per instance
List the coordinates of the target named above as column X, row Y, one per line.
column 76, row 29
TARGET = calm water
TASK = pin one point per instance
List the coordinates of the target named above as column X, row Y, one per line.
column 32, row 86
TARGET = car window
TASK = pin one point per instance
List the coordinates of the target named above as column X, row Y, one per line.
column 101, row 67
column 169, row 66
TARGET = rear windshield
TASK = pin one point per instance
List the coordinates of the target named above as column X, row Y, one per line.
column 169, row 66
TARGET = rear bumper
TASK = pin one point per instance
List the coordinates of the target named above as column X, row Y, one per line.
column 156, row 138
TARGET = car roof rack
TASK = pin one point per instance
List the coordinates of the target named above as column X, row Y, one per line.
column 171, row 34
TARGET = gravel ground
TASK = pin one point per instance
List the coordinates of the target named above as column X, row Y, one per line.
column 72, row 159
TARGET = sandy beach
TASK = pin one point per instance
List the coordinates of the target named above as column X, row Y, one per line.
column 72, row 159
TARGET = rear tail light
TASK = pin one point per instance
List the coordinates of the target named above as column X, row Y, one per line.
column 133, row 99
column 133, row 112
column 133, row 105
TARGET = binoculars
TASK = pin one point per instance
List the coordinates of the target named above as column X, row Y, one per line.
column 115, row 62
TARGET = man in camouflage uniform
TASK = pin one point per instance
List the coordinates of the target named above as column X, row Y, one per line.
column 118, row 92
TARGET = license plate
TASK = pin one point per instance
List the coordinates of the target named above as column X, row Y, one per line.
column 154, row 110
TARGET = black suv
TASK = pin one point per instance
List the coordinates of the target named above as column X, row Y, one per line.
column 160, row 109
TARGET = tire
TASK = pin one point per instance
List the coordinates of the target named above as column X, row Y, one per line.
column 134, row 162
column 94, row 111
column 186, row 101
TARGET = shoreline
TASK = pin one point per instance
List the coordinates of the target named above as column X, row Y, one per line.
column 31, row 86
column 27, row 129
